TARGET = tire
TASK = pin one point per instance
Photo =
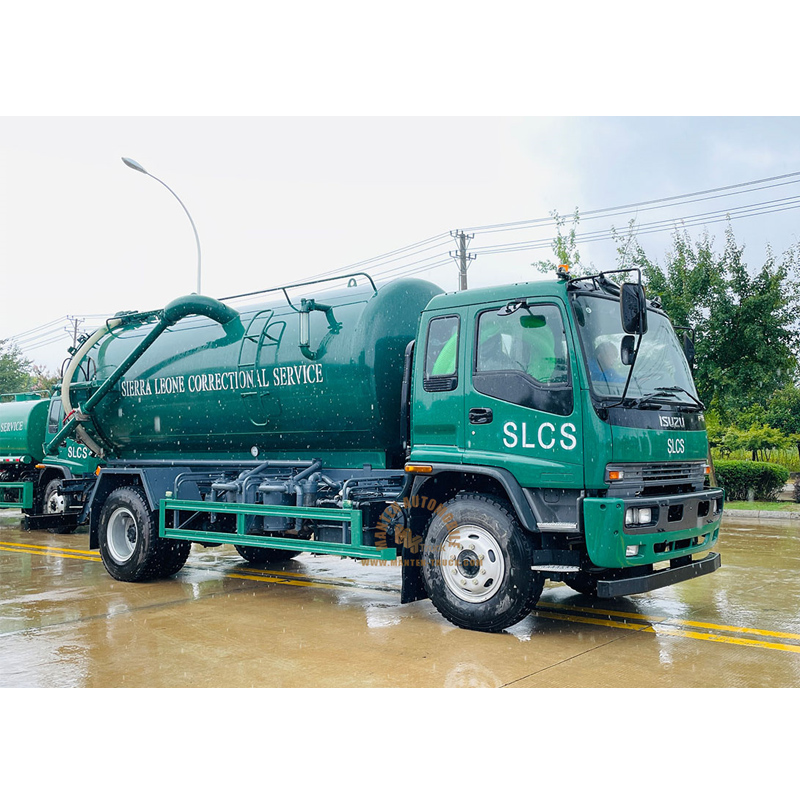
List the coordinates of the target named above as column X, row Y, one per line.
column 129, row 543
column 53, row 503
column 174, row 556
column 478, row 573
column 261, row 556
column 583, row 583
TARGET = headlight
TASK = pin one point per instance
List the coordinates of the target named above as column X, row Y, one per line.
column 639, row 516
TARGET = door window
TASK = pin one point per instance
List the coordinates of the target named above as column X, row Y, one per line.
column 523, row 358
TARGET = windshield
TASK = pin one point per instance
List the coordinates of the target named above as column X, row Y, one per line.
column 660, row 369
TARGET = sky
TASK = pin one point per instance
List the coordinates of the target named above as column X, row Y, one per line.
column 277, row 200
column 308, row 137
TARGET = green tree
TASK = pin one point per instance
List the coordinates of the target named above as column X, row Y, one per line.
column 758, row 439
column 14, row 368
column 565, row 246
column 689, row 281
column 783, row 413
column 749, row 340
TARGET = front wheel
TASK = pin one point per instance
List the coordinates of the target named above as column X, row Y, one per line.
column 129, row 543
column 477, row 564
column 54, row 503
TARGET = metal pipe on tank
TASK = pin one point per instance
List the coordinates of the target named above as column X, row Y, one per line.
column 171, row 313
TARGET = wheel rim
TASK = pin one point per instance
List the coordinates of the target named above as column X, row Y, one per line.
column 472, row 564
column 123, row 533
column 54, row 503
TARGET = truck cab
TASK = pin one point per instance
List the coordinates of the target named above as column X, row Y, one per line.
column 563, row 440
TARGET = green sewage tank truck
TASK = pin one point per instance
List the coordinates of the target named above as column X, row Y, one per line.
column 487, row 440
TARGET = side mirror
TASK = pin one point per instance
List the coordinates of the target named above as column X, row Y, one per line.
column 688, row 349
column 633, row 308
column 627, row 350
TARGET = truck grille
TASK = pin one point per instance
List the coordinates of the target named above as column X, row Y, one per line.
column 655, row 477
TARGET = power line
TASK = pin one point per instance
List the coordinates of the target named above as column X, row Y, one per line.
column 658, row 226
column 665, row 200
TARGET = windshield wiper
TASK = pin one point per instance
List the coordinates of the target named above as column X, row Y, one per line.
column 663, row 394
column 673, row 389
column 648, row 402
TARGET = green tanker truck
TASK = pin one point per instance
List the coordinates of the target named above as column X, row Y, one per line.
column 32, row 481
column 488, row 439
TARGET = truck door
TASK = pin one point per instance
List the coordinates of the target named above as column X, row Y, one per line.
column 437, row 432
column 521, row 401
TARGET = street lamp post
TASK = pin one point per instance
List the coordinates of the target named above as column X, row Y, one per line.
column 129, row 162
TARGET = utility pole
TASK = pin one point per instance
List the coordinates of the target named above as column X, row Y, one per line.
column 462, row 257
column 74, row 331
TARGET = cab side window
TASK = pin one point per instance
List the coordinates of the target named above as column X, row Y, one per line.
column 441, row 355
column 523, row 358
column 54, row 417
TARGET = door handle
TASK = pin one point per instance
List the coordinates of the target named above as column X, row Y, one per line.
column 480, row 416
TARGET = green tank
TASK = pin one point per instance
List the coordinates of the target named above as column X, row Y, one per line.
column 286, row 379
column 22, row 430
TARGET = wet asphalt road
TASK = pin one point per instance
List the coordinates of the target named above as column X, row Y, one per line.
column 320, row 621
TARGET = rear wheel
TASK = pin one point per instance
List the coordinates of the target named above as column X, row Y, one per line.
column 477, row 564
column 129, row 543
column 55, row 503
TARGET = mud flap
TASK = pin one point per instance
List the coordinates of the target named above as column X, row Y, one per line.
column 412, row 587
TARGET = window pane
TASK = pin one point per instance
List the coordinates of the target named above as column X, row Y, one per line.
column 531, row 341
column 442, row 353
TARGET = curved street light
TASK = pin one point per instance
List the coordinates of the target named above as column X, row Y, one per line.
column 129, row 162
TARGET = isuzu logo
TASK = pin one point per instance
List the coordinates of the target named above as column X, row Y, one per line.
column 672, row 422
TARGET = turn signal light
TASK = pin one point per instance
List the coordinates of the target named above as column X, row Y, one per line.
column 419, row 468
column 616, row 475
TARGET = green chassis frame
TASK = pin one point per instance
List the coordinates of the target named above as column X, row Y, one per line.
column 25, row 490
column 351, row 517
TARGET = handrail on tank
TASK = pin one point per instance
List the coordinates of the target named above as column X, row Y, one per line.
column 21, row 397
column 305, row 283
column 171, row 313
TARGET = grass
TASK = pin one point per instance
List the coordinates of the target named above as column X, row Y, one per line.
column 762, row 505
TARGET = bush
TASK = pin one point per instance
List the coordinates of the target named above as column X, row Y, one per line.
column 765, row 479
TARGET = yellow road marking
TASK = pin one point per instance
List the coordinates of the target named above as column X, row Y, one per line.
column 608, row 623
column 674, row 621
column 610, row 618
column 47, row 552
column 23, row 546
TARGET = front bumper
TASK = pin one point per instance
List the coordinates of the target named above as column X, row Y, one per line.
column 682, row 525
column 656, row 580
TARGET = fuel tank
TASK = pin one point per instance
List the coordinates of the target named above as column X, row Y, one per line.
column 22, row 429
column 319, row 374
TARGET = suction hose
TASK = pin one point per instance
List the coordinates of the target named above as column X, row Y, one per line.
column 171, row 313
